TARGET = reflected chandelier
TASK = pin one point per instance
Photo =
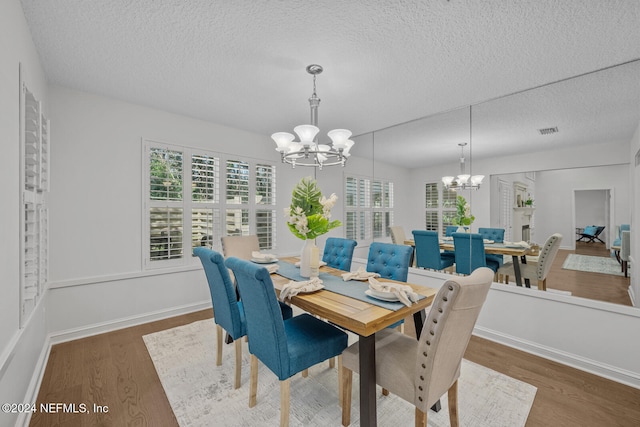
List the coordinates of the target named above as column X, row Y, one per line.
column 308, row 152
column 462, row 181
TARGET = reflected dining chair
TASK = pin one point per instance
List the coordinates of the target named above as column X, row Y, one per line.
column 428, row 253
column 286, row 347
column 497, row 235
column 397, row 235
column 338, row 253
column 423, row 370
column 239, row 246
column 228, row 312
column 536, row 270
column 469, row 249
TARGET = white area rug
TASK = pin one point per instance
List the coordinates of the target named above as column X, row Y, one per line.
column 593, row 264
column 202, row 394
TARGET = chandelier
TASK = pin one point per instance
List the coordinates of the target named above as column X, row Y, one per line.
column 463, row 181
column 308, row 152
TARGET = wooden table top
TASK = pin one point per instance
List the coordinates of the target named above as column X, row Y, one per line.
column 489, row 248
column 357, row 316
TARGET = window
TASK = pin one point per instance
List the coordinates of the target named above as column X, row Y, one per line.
column 439, row 215
column 34, row 185
column 179, row 220
column 368, row 208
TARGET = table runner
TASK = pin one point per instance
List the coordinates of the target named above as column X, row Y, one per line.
column 352, row 288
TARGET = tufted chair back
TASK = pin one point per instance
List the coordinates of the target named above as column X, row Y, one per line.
column 421, row 371
column 338, row 253
column 495, row 234
column 446, row 334
column 239, row 246
column 389, row 260
column 547, row 255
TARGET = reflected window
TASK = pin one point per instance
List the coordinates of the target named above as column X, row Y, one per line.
column 368, row 208
column 438, row 215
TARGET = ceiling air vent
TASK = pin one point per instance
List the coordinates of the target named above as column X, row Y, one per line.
column 548, row 131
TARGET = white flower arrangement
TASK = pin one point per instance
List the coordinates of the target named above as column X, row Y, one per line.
column 310, row 212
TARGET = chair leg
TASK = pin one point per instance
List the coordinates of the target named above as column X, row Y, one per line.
column 421, row 418
column 238, row 345
column 340, row 373
column 542, row 284
column 346, row 396
column 385, row 392
column 253, row 382
column 219, row 345
column 332, row 363
column 284, row 402
column 305, row 373
column 453, row 404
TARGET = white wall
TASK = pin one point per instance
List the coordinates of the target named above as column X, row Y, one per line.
column 19, row 348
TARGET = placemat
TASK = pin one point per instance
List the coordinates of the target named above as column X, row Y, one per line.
column 352, row 288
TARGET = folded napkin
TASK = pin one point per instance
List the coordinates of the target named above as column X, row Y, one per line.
column 272, row 268
column 487, row 241
column 261, row 256
column 447, row 238
column 361, row 274
column 521, row 243
column 404, row 293
column 293, row 288
column 321, row 263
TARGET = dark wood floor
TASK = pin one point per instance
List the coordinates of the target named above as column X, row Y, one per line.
column 115, row 370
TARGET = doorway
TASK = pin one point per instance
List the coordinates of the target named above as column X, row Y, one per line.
column 593, row 207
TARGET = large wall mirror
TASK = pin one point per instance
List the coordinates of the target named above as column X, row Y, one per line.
column 565, row 145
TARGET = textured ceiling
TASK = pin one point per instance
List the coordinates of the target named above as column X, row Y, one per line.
column 242, row 63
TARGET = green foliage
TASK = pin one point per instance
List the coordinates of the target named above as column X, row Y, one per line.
column 463, row 213
column 307, row 217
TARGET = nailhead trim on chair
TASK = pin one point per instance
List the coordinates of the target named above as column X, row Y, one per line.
column 439, row 311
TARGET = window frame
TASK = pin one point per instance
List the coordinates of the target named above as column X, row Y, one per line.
column 365, row 207
column 218, row 205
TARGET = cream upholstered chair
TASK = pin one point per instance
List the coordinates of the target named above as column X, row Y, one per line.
column 537, row 270
column 625, row 249
column 239, row 246
column 421, row 371
column 397, row 235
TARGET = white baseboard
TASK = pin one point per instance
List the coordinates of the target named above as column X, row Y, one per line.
column 622, row 376
column 113, row 325
column 36, row 379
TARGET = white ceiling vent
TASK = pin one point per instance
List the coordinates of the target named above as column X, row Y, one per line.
column 548, row 131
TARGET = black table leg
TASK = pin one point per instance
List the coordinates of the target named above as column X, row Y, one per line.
column 367, row 356
column 516, row 270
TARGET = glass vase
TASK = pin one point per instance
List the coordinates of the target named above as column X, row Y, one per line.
column 305, row 257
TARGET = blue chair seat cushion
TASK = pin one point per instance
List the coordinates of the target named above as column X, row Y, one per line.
column 492, row 264
column 590, row 230
column 311, row 341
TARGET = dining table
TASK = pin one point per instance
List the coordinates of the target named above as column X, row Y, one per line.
column 360, row 314
column 517, row 252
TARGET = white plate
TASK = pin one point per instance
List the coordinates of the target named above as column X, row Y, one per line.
column 264, row 261
column 385, row 296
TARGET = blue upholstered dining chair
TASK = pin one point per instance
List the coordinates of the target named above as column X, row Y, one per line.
column 228, row 312
column 286, row 347
column 497, row 235
column 469, row 249
column 428, row 253
column 338, row 253
column 389, row 260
